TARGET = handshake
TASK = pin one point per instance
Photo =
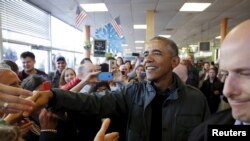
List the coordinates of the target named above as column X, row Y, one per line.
column 19, row 103
column 16, row 100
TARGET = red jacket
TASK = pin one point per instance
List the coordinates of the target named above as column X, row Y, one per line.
column 70, row 84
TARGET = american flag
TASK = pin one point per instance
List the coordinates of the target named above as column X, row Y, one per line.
column 116, row 25
column 80, row 15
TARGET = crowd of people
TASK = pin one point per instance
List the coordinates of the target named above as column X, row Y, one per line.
column 154, row 97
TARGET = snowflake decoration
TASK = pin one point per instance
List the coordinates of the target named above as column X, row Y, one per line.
column 114, row 42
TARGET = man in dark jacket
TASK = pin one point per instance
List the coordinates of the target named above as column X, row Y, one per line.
column 28, row 60
column 212, row 89
column 193, row 74
column 54, row 77
column 161, row 109
column 236, row 87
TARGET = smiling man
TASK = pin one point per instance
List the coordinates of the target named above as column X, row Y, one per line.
column 10, row 78
column 28, row 61
column 11, row 102
column 162, row 108
column 54, row 77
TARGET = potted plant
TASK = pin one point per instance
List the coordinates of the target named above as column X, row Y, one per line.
column 87, row 45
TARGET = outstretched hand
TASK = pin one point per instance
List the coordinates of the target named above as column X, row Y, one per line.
column 41, row 99
column 47, row 119
column 11, row 100
column 100, row 136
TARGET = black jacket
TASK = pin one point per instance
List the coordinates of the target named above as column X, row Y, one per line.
column 208, row 90
column 220, row 118
column 54, row 78
column 183, row 110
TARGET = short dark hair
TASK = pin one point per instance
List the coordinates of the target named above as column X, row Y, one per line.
column 96, row 86
column 28, row 54
column 104, row 67
column 13, row 65
column 60, row 58
column 127, row 61
column 32, row 82
column 215, row 69
column 169, row 43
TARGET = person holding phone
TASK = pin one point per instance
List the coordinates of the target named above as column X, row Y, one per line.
column 82, row 72
column 162, row 108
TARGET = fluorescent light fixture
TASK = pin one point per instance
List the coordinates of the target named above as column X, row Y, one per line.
column 218, row 37
column 166, row 36
column 124, row 45
column 94, row 7
column 138, row 47
column 139, row 41
column 193, row 45
column 140, row 26
column 195, row 7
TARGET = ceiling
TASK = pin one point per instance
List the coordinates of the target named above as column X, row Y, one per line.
column 184, row 27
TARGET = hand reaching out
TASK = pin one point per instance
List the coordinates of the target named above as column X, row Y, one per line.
column 91, row 77
column 100, row 136
column 11, row 101
column 24, row 126
column 41, row 99
column 47, row 120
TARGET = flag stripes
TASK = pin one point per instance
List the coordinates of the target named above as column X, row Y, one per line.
column 116, row 25
column 80, row 15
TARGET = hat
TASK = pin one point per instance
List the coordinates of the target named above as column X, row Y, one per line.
column 60, row 58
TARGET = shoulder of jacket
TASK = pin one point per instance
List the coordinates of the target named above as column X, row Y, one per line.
column 133, row 87
column 191, row 90
column 51, row 73
column 222, row 117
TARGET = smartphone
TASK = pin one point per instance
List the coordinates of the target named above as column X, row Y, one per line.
column 105, row 76
column 135, row 54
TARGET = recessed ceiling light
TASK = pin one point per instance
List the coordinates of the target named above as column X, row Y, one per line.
column 94, row 7
column 195, row 7
column 166, row 36
column 140, row 26
column 139, row 41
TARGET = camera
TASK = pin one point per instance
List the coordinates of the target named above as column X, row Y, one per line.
column 135, row 54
